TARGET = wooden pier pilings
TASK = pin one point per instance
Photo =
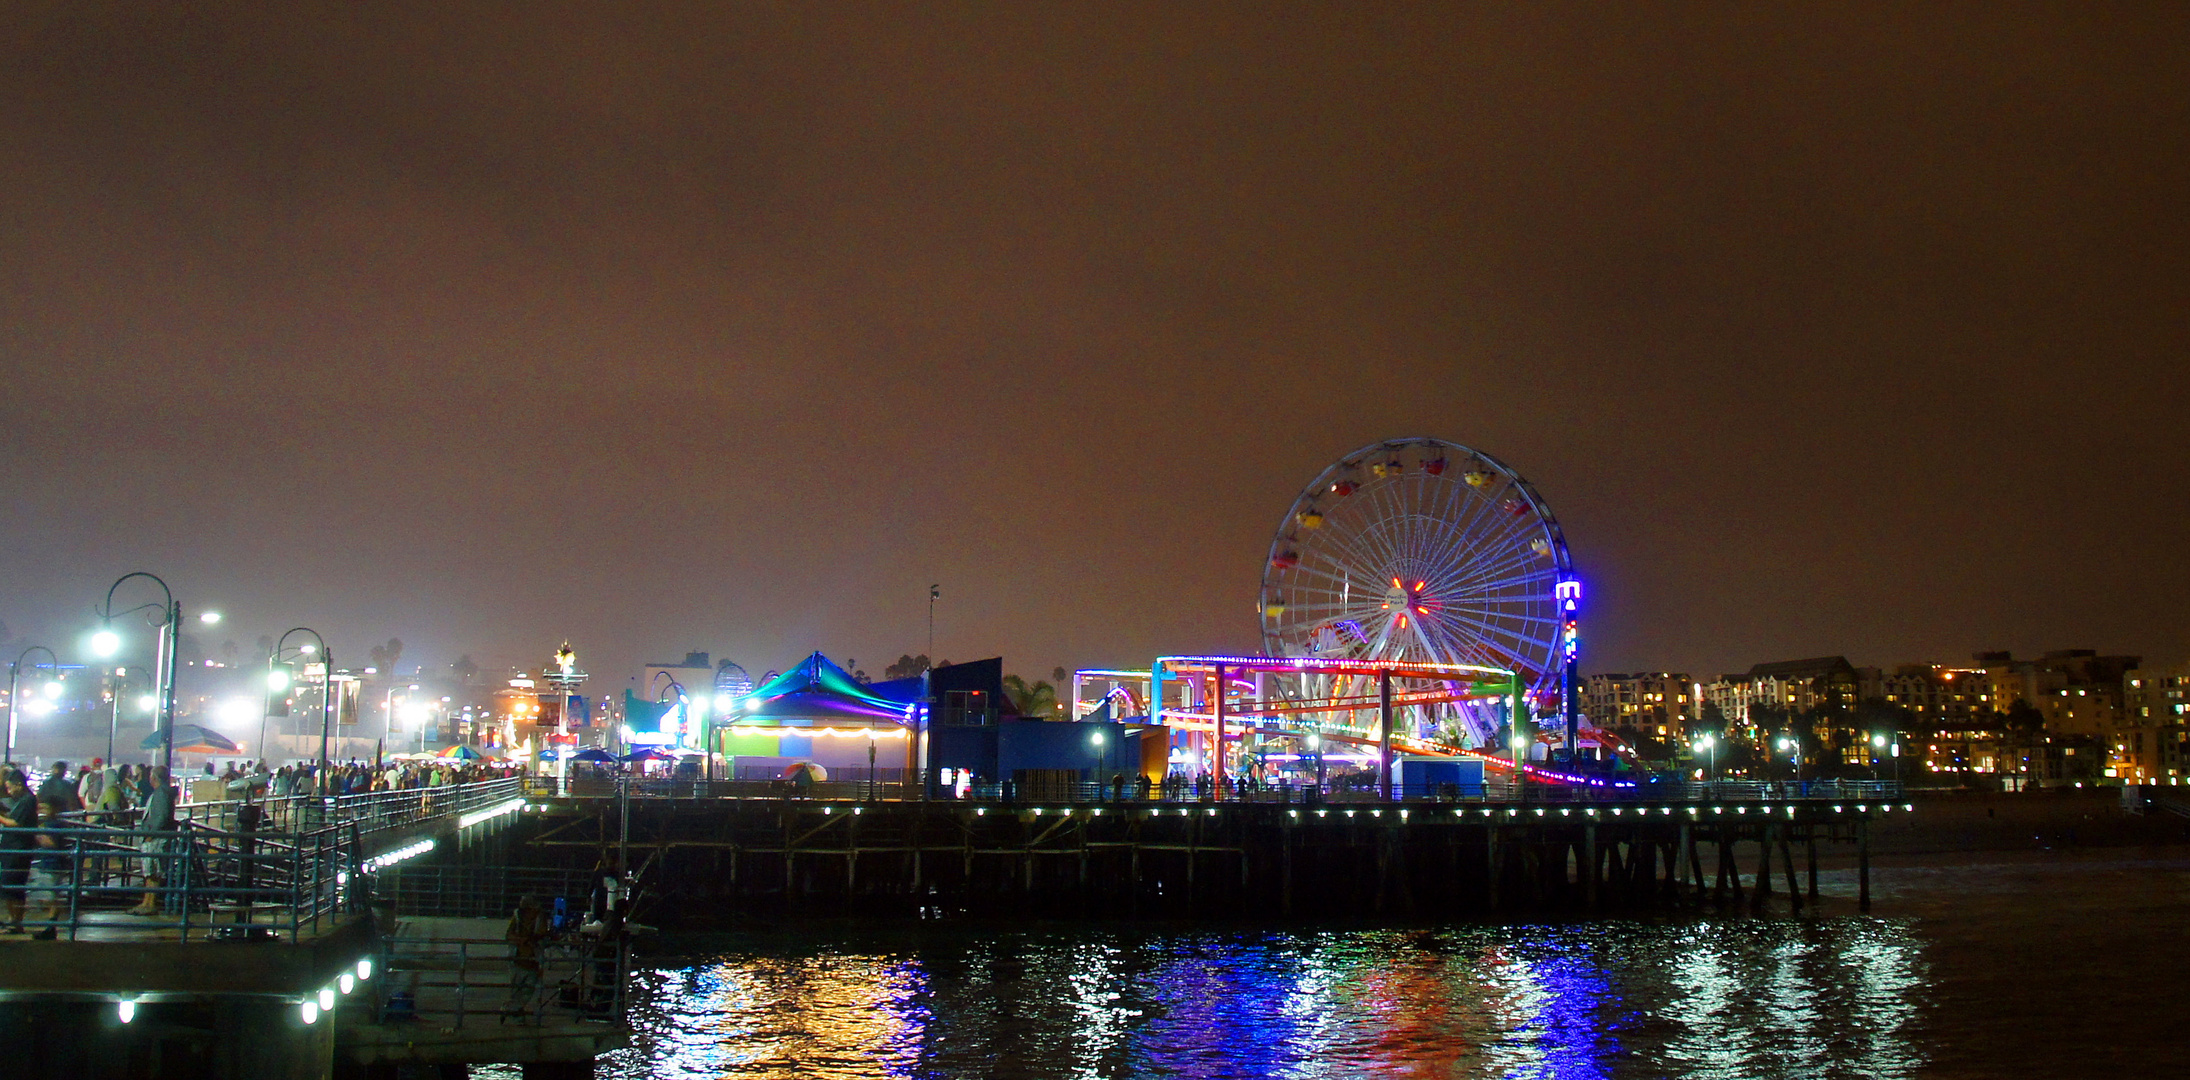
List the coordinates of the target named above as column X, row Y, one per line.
column 706, row 860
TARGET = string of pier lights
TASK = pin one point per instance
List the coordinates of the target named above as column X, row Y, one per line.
column 309, row 1007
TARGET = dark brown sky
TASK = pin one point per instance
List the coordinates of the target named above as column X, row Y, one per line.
column 1859, row 329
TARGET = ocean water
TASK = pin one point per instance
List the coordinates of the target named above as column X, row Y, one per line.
column 2052, row 967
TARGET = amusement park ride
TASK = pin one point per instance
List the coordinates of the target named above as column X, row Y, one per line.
column 1418, row 597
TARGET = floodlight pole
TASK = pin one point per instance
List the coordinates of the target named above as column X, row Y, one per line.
column 326, row 694
column 15, row 692
column 164, row 668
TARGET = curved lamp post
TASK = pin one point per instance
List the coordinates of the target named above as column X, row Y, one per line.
column 316, row 647
column 15, row 689
column 106, row 642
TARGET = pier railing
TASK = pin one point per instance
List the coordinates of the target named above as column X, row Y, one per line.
column 447, row 983
column 371, row 811
column 1191, row 790
column 193, row 881
column 227, row 869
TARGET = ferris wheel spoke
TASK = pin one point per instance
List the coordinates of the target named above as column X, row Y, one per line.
column 1509, row 563
column 1378, row 534
column 1359, row 549
column 1516, row 575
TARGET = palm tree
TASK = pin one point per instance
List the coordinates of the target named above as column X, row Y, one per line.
column 1038, row 699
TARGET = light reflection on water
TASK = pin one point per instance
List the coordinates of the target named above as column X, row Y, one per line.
column 1742, row 998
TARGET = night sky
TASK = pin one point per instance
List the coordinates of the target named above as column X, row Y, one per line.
column 731, row 327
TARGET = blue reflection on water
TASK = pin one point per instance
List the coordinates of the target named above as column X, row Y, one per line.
column 1751, row 998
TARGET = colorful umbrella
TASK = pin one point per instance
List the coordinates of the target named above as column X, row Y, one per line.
column 462, row 753
column 190, row 738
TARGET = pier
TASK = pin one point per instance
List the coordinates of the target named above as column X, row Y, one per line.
column 705, row 854
column 351, row 936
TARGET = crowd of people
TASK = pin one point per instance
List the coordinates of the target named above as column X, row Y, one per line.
column 34, row 862
column 39, row 808
column 100, row 790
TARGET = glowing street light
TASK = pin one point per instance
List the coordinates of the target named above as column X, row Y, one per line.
column 1709, row 744
column 169, row 622
column 209, row 618
column 15, row 691
column 276, row 667
column 1095, row 739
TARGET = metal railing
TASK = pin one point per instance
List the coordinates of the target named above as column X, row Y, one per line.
column 570, row 978
column 1176, row 789
column 194, row 880
column 371, row 811
column 210, row 875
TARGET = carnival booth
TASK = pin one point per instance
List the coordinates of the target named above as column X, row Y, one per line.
column 818, row 713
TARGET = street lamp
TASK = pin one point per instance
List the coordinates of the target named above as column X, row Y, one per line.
column 388, row 707
column 15, row 689
column 106, row 642
column 1095, row 739
column 1793, row 746
column 325, row 657
column 1709, row 744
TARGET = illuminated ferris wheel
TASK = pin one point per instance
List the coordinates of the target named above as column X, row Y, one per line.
column 1420, row 549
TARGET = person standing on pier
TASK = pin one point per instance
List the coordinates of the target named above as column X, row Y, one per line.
column 528, row 927
column 18, row 811
column 158, row 817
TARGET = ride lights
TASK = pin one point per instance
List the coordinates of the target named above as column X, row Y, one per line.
column 125, row 1010
column 1908, row 808
column 365, row 969
column 346, row 983
column 326, row 998
column 310, row 1011
column 490, row 813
